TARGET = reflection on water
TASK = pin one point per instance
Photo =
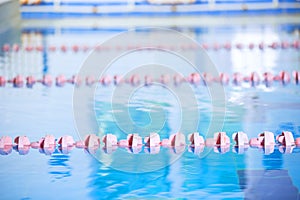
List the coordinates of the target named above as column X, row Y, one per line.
column 211, row 176
column 153, row 108
column 59, row 167
column 108, row 183
column 267, row 184
column 273, row 161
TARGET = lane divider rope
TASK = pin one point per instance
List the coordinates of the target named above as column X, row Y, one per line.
column 152, row 143
column 283, row 45
column 237, row 79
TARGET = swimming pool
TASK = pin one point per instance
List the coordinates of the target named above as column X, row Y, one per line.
column 189, row 175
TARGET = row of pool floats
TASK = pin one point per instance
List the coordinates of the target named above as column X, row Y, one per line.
column 254, row 79
column 152, row 143
column 215, row 46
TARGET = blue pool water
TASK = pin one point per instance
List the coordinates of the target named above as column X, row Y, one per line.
column 41, row 110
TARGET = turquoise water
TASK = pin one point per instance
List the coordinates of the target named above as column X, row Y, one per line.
column 167, row 175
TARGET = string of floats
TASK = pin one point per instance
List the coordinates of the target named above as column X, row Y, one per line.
column 214, row 46
column 237, row 79
column 134, row 143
